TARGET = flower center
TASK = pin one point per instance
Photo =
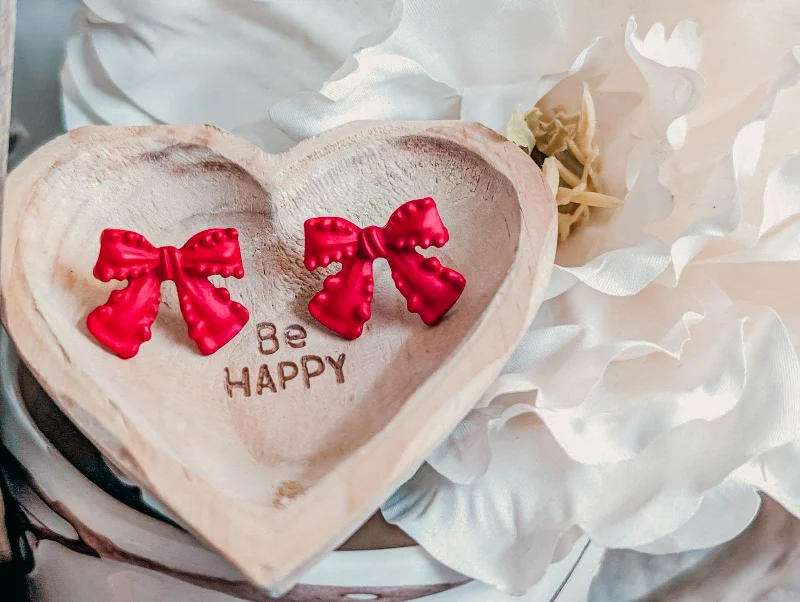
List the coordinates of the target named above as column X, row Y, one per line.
column 563, row 145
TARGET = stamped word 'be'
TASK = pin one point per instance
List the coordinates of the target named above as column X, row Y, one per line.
column 276, row 377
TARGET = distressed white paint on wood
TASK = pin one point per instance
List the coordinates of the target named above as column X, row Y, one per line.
column 273, row 480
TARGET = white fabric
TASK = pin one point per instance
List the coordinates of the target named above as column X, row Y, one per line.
column 659, row 387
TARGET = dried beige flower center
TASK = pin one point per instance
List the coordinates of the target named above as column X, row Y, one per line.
column 571, row 162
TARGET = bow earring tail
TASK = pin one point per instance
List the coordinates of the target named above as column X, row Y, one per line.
column 123, row 323
column 344, row 303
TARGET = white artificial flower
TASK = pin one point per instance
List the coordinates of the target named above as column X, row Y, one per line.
column 658, row 389
column 222, row 62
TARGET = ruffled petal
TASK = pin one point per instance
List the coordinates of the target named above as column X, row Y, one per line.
column 383, row 87
column 223, row 62
column 502, row 526
column 640, row 364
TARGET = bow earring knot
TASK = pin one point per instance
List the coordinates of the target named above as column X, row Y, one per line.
column 344, row 303
column 124, row 322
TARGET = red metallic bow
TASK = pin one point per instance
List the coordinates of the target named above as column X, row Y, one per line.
column 343, row 304
column 123, row 322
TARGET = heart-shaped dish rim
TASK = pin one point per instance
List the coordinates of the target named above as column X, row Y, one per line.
column 273, row 548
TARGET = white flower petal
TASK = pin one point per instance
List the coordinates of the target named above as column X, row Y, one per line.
column 222, row 61
column 443, row 515
column 532, row 489
column 492, row 104
column 681, row 49
column 75, row 109
column 383, row 87
column 432, row 34
column 781, row 198
column 518, row 131
column 622, row 244
column 90, row 83
column 668, row 68
column 775, row 472
column 620, row 416
column 724, row 512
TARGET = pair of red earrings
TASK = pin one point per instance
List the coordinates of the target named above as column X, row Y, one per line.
column 343, row 305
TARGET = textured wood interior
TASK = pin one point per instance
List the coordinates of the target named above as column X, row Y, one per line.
column 297, row 434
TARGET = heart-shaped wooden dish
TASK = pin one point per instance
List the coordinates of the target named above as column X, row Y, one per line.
column 273, row 480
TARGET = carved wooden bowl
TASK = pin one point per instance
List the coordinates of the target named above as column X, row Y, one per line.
column 273, row 479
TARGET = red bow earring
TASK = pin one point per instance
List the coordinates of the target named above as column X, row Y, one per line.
column 123, row 322
column 343, row 304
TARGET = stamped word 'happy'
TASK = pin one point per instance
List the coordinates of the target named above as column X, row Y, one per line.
column 276, row 377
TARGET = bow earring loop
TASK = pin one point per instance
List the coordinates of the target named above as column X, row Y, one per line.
column 344, row 303
column 124, row 322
